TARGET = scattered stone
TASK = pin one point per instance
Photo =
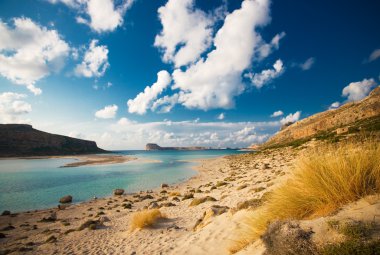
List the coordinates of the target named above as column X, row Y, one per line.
column 153, row 205
column 176, row 199
column 127, row 205
column 51, row 239
column 66, row 199
column 164, row 185
column 188, row 196
column 90, row 224
column 7, row 228
column 167, row 204
column 146, row 197
column 5, row 213
column 62, row 207
column 51, row 218
column 118, row 192
column 103, row 219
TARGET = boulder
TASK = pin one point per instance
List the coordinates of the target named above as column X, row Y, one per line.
column 66, row 199
column 118, row 192
column 103, row 219
column 153, row 205
column 6, row 213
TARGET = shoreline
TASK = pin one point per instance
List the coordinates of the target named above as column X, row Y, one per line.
column 219, row 178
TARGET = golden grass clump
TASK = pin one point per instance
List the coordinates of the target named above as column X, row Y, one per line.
column 145, row 218
column 324, row 179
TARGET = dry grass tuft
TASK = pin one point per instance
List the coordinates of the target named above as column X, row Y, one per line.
column 145, row 218
column 325, row 178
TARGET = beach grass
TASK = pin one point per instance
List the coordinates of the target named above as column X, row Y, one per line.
column 145, row 218
column 324, row 179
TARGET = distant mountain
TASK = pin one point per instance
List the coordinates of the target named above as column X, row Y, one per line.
column 156, row 147
column 363, row 115
column 23, row 140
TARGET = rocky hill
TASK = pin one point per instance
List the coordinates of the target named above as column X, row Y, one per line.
column 349, row 118
column 156, row 147
column 23, row 140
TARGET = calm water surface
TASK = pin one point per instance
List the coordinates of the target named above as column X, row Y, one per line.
column 28, row 184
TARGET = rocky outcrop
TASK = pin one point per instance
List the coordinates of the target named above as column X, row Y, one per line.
column 339, row 119
column 23, row 140
column 156, row 147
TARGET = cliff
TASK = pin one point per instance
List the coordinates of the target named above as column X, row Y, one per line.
column 156, row 147
column 23, row 140
column 349, row 118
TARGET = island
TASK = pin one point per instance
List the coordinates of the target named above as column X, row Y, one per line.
column 156, row 147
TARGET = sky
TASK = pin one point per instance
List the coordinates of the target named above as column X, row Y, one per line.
column 220, row 73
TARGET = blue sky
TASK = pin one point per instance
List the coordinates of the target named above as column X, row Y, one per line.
column 182, row 72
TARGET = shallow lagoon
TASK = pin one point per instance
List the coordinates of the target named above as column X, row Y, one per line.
column 28, row 184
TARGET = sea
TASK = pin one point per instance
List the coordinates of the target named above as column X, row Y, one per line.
column 31, row 184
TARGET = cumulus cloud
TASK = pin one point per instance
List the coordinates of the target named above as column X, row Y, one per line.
column 260, row 79
column 13, row 108
column 165, row 104
column 374, row 55
column 95, row 61
column 186, row 32
column 132, row 134
column 30, row 52
column 358, row 90
column 108, row 112
column 99, row 15
column 214, row 82
column 277, row 114
column 221, row 116
column 334, row 105
column 292, row 117
column 144, row 100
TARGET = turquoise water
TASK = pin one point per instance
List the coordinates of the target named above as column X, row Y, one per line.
column 28, row 184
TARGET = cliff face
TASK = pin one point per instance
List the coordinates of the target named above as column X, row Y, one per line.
column 339, row 119
column 156, row 147
column 24, row 140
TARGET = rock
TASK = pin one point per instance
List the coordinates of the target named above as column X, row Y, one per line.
column 164, row 185
column 6, row 212
column 51, row 239
column 118, row 192
column 2, row 235
column 264, row 166
column 62, row 207
column 153, row 205
column 51, row 218
column 7, row 228
column 103, row 219
column 146, row 197
column 167, row 204
column 176, row 199
column 66, row 199
column 90, row 224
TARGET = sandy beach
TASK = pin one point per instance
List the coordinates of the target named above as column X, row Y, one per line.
column 230, row 180
column 207, row 228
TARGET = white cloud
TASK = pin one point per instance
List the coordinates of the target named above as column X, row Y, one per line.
column 30, row 52
column 307, row 64
column 266, row 49
column 260, row 79
column 221, row 116
column 374, row 55
column 277, row 114
column 165, row 104
column 100, row 15
column 186, row 32
column 144, row 100
column 97, row 86
column 132, row 134
column 358, row 90
column 95, row 61
column 13, row 107
column 293, row 117
column 334, row 105
column 214, row 82
column 108, row 112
